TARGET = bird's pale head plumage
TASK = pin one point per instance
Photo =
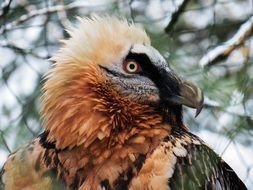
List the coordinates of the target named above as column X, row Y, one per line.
column 106, row 78
column 99, row 41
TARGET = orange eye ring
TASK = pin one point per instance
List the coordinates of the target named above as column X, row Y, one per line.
column 131, row 66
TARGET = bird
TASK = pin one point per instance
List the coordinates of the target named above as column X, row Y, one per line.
column 112, row 114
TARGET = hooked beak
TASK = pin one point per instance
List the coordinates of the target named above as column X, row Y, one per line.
column 190, row 95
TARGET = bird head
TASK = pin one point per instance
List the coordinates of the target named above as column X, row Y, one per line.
column 108, row 66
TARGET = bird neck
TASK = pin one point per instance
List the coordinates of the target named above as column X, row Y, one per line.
column 83, row 115
column 172, row 115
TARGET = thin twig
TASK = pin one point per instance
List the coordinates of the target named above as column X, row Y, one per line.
column 131, row 9
column 226, row 147
column 5, row 7
column 223, row 51
column 175, row 16
column 4, row 142
column 220, row 108
column 28, row 127
column 62, row 15
column 7, row 44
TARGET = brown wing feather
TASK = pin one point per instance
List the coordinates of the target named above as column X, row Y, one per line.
column 25, row 169
column 201, row 169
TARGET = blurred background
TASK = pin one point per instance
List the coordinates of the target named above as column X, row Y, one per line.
column 209, row 42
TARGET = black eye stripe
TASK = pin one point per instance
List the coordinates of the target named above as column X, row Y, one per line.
column 166, row 83
column 139, row 58
column 148, row 69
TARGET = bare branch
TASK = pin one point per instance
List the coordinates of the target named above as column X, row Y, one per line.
column 175, row 16
column 47, row 10
column 223, row 51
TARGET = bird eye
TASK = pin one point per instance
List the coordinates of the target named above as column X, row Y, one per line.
column 131, row 66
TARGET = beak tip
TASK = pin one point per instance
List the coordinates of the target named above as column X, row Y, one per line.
column 199, row 108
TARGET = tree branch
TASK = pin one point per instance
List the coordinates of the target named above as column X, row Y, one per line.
column 175, row 16
column 47, row 10
column 223, row 51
